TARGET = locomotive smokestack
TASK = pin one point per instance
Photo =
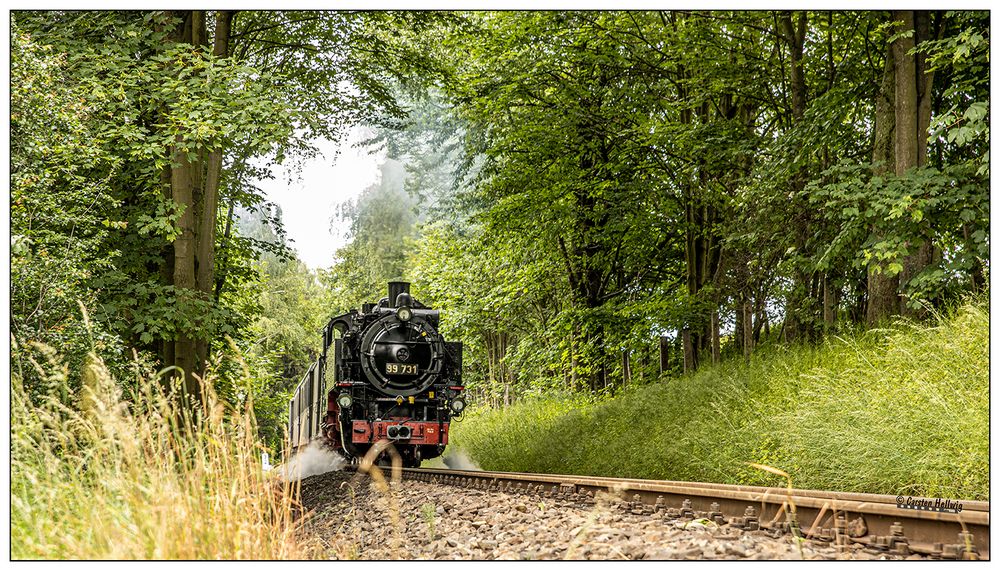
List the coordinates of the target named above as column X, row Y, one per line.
column 396, row 288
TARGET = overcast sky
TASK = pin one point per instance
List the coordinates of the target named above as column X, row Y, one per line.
column 308, row 204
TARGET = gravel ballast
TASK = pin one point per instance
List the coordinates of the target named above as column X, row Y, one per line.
column 355, row 518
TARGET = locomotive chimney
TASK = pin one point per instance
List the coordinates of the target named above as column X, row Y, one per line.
column 396, row 288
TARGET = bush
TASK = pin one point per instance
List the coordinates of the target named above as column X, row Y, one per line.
column 889, row 411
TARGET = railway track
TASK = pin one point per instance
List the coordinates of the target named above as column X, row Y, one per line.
column 877, row 522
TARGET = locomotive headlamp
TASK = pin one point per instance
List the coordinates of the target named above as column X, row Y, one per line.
column 458, row 405
column 404, row 313
column 344, row 400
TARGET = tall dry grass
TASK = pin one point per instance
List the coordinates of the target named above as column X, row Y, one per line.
column 143, row 478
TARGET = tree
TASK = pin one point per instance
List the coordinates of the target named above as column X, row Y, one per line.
column 914, row 84
column 554, row 119
column 883, row 286
column 196, row 165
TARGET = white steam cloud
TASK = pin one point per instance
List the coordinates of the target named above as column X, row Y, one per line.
column 457, row 459
column 312, row 460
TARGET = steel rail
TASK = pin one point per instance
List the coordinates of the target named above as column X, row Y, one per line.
column 873, row 520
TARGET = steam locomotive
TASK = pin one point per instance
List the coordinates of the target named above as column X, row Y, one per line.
column 393, row 377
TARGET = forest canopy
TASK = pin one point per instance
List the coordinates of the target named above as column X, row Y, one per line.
column 592, row 198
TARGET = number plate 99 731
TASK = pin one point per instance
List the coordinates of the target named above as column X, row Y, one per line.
column 400, row 368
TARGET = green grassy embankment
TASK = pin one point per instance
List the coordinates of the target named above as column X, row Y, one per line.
column 899, row 410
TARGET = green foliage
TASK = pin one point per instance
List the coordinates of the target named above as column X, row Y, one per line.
column 294, row 308
column 603, row 153
column 59, row 194
column 558, row 117
column 904, row 410
column 100, row 100
column 949, row 208
column 486, row 292
column 430, row 145
column 90, row 194
column 962, row 57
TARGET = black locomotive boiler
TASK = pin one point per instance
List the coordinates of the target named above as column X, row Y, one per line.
column 392, row 376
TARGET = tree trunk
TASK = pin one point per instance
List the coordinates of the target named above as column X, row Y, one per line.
column 883, row 289
column 925, row 83
column 748, row 330
column 220, row 281
column 199, row 345
column 692, row 250
column 716, row 343
column 702, row 252
column 213, row 174
column 626, row 368
column 209, row 197
column 490, row 362
column 195, row 174
column 599, row 379
column 738, row 335
column 181, row 184
column 573, row 365
column 913, row 106
column 883, row 297
column 794, row 32
column 976, row 272
column 184, row 174
column 664, row 354
column 167, row 270
column 795, row 35
column 690, row 356
column 906, row 144
column 829, row 305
